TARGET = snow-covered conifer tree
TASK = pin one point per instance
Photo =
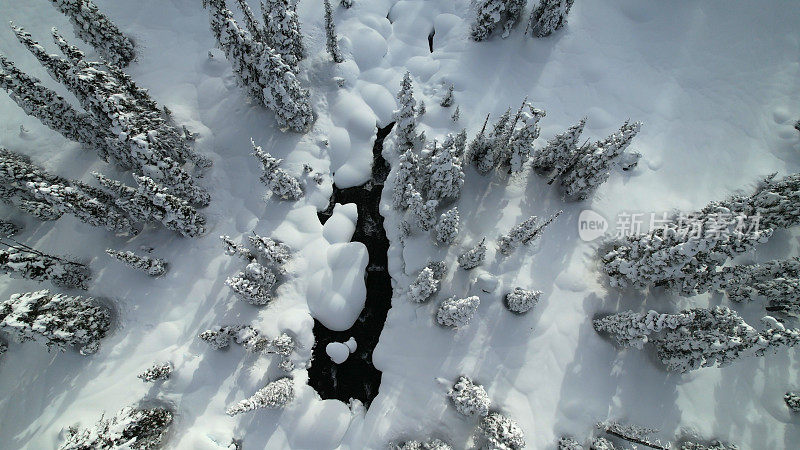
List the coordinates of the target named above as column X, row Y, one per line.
column 778, row 282
column 502, row 433
column 590, row 170
column 423, row 213
column 234, row 249
column 457, row 312
column 430, row 444
column 254, row 284
column 271, row 252
column 404, row 179
column 491, row 13
column 697, row 337
column 424, row 286
column 483, row 150
column 88, row 209
column 774, row 202
column 55, row 319
column 96, row 29
column 282, row 29
column 275, row 395
column 470, row 399
column 154, row 267
column 445, row 176
column 519, row 146
column 456, row 114
column 265, row 257
column 218, row 337
column 346, row 4
column 559, row 150
column 460, row 144
column 526, row 232
column 8, row 229
column 447, row 227
column 21, row 260
column 601, row 443
column 549, row 16
column 278, row 180
column 133, row 428
column 473, row 257
column 254, row 27
column 522, row 300
column 792, row 400
column 156, row 372
column 331, row 41
column 405, row 129
column 568, row 443
column 447, row 100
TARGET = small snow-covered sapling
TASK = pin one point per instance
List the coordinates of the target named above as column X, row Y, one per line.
column 156, row 372
column 154, row 267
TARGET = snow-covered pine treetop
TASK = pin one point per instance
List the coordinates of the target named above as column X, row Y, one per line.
column 56, row 320
column 521, row 136
column 501, row 432
column 98, row 30
column 473, row 257
column 130, row 428
column 275, row 395
column 470, row 399
column 424, row 286
column 406, row 176
column 278, row 180
column 522, row 300
column 457, row 312
column 774, row 202
column 156, row 372
column 526, row 232
column 446, row 228
column 556, row 155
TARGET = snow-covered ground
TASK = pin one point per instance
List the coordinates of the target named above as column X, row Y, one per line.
column 716, row 83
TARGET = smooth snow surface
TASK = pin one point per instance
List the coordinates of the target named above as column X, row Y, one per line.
column 716, row 83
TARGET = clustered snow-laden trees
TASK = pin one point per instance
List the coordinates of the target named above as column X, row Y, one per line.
column 685, row 254
column 548, row 16
column 493, row 13
column 697, row 337
column 57, row 320
column 275, row 395
column 470, row 399
column 98, row 30
column 26, row 262
column 133, row 428
column 146, row 142
column 264, row 58
column 155, row 267
column 278, row 180
column 265, row 258
column 253, row 341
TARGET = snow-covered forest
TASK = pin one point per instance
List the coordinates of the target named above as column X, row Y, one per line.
column 404, row 224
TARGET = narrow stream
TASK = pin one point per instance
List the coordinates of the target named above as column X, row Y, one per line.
column 357, row 377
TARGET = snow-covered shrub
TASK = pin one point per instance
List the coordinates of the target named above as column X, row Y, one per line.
column 447, row 100
column 156, row 372
column 275, row 395
column 568, row 443
column 698, row 337
column 405, row 129
column 559, row 151
column 549, row 16
column 526, row 232
column 470, row 399
column 28, row 263
column 423, row 287
column 492, row 13
column 792, row 400
column 473, row 257
column 219, row 337
column 133, row 428
column 278, row 180
column 457, row 312
column 502, row 433
column 331, row 41
column 430, row 444
column 447, row 227
column 154, row 267
column 55, row 319
column 522, row 300
column 591, row 167
column 9, row 229
column 96, row 29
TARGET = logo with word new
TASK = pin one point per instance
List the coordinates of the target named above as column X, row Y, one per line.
column 591, row 225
